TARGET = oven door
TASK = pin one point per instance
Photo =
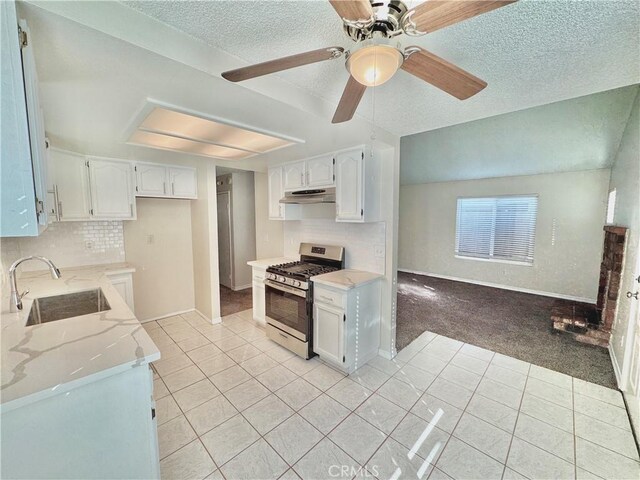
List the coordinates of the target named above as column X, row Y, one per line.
column 287, row 309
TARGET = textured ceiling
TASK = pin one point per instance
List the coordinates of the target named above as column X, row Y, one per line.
column 530, row 53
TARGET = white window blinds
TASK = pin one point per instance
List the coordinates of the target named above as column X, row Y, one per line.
column 497, row 228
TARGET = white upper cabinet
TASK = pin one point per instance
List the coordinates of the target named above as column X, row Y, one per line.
column 294, row 175
column 23, row 183
column 320, row 172
column 165, row 181
column 183, row 182
column 71, row 197
column 358, row 186
column 349, row 191
column 112, row 191
column 276, row 189
column 277, row 210
column 151, row 180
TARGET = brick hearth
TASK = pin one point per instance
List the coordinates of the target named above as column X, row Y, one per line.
column 592, row 323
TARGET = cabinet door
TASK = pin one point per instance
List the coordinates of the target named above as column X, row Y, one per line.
column 276, row 191
column 320, row 172
column 294, row 175
column 183, row 182
column 123, row 283
column 349, row 190
column 71, row 186
column 151, row 180
column 328, row 333
column 18, row 215
column 258, row 302
column 112, row 193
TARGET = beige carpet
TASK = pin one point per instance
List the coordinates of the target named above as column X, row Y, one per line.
column 512, row 323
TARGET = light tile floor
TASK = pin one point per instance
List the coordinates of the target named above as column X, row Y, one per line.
column 232, row 404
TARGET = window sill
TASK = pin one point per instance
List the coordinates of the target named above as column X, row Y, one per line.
column 495, row 260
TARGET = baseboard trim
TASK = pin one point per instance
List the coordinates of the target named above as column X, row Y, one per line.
column 241, row 287
column 385, row 354
column 180, row 312
column 503, row 287
column 616, row 368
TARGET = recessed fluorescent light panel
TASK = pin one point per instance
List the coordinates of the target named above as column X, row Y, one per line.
column 168, row 129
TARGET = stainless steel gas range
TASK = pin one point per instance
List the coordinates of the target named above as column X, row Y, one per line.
column 289, row 296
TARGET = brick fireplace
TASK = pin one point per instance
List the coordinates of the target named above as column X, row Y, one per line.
column 592, row 323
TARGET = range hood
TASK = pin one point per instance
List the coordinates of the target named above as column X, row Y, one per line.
column 321, row 195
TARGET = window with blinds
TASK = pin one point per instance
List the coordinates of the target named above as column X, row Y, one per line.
column 497, row 228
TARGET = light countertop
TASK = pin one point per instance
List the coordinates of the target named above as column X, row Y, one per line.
column 53, row 358
column 267, row 262
column 346, row 279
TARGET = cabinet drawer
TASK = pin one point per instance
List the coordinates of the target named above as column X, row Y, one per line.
column 328, row 297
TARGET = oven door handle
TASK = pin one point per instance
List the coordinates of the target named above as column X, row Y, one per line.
column 285, row 288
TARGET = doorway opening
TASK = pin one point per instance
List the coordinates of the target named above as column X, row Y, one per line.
column 235, row 191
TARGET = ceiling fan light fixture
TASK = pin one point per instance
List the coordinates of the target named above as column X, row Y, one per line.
column 373, row 62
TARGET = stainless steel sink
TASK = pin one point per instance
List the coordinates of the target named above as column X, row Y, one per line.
column 58, row 307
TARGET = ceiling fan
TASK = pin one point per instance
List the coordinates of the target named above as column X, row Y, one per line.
column 377, row 56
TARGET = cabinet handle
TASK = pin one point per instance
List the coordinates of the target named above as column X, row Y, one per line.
column 131, row 209
column 56, row 200
column 164, row 188
column 173, row 188
column 301, row 178
column 326, row 299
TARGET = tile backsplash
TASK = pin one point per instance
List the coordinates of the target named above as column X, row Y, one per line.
column 68, row 244
column 364, row 243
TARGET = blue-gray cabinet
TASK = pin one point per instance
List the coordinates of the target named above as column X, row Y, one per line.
column 23, row 173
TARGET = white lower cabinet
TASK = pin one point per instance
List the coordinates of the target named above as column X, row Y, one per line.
column 346, row 324
column 328, row 333
column 258, row 295
column 123, row 283
column 102, row 429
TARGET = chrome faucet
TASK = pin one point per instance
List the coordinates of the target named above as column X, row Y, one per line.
column 16, row 298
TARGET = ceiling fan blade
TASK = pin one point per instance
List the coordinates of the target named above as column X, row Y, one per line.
column 353, row 10
column 442, row 74
column 283, row 63
column 349, row 101
column 433, row 15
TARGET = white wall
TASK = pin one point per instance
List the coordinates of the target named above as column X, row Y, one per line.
column 578, row 134
column 571, row 212
column 243, row 211
column 159, row 246
column 625, row 178
column 269, row 233
column 67, row 244
column 359, row 240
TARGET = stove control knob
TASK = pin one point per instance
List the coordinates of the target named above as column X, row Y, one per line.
column 298, row 283
column 283, row 279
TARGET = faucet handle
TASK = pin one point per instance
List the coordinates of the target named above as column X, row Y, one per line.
column 23, row 294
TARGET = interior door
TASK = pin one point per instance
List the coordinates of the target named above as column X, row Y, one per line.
column 225, row 247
